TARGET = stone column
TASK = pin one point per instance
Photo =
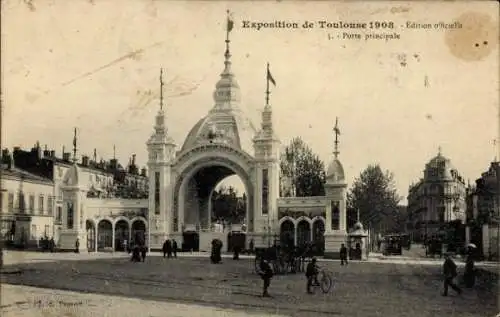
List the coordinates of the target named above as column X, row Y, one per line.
column 95, row 240
column 295, row 234
column 311, row 228
column 113, row 236
column 328, row 217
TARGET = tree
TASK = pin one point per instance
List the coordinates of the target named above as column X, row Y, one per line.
column 302, row 169
column 374, row 195
column 228, row 205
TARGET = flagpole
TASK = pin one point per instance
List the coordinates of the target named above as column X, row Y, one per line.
column 267, row 85
column 161, row 88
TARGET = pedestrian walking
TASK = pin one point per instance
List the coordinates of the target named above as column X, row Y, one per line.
column 469, row 271
column 174, row 247
column 167, row 249
column 136, row 254
column 450, row 272
column 343, row 255
column 144, row 250
column 266, row 273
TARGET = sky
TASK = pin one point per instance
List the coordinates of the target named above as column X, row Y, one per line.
column 95, row 65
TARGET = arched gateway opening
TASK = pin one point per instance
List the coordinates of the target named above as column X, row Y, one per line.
column 206, row 210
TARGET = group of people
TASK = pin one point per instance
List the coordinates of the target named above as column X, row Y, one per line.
column 170, row 248
column 138, row 253
column 450, row 272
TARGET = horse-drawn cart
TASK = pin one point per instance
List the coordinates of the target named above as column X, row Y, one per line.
column 282, row 260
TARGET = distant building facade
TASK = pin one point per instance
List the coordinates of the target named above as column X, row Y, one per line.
column 27, row 206
column 483, row 213
column 436, row 200
column 111, row 193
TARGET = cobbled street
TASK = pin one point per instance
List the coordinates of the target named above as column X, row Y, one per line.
column 196, row 287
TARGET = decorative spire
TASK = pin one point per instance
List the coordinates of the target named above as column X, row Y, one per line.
column 114, row 152
column 227, row 54
column 336, row 130
column 439, row 150
column 227, row 92
column 74, row 147
column 161, row 88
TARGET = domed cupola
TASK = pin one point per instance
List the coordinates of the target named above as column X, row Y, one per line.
column 439, row 167
column 225, row 123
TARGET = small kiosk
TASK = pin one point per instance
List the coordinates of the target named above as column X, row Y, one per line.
column 357, row 242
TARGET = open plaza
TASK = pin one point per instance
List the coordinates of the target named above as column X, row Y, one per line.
column 99, row 284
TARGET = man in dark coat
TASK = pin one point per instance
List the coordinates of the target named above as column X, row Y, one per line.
column 343, row 255
column 166, row 248
column 449, row 272
column 77, row 245
column 266, row 273
column 469, row 272
column 215, row 256
column 136, row 254
column 144, row 250
column 312, row 275
column 52, row 245
column 174, row 247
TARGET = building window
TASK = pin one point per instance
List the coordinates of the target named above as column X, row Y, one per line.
column 32, row 204
column 40, row 204
column 59, row 214
column 441, row 212
column 11, row 203
column 33, row 232
column 335, row 215
column 157, row 193
column 50, row 207
column 265, row 191
column 21, row 203
column 70, row 218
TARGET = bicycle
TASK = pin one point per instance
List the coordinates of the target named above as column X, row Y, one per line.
column 325, row 279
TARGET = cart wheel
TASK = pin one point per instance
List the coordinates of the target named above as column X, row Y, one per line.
column 326, row 281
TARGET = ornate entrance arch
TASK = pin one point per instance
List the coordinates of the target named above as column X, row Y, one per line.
column 221, row 160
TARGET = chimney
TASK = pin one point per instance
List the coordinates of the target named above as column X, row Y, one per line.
column 66, row 156
column 85, row 160
column 113, row 163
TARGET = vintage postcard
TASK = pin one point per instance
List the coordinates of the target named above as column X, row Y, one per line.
column 249, row 158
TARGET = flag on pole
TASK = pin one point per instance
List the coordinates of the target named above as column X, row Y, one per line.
column 230, row 22
column 270, row 77
column 336, row 128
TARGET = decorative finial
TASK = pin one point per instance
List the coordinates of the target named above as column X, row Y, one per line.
column 357, row 212
column 439, row 150
column 114, row 152
column 161, row 88
column 74, row 147
column 229, row 28
column 336, row 130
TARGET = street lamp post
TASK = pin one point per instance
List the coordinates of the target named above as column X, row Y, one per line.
column 149, row 233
